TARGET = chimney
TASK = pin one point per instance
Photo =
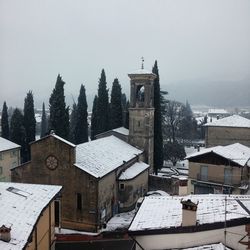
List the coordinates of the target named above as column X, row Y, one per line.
column 189, row 213
column 5, row 233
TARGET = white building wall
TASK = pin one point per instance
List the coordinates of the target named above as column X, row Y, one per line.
column 184, row 240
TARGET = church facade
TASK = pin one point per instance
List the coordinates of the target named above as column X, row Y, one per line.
column 102, row 177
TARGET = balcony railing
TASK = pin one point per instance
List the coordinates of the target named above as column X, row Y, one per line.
column 219, row 180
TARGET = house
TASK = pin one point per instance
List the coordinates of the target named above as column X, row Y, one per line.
column 99, row 177
column 9, row 158
column 165, row 222
column 27, row 216
column 215, row 114
column 227, row 130
column 220, row 169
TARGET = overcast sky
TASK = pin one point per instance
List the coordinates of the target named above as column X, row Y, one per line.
column 191, row 39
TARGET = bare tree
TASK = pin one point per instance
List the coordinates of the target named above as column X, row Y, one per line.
column 173, row 114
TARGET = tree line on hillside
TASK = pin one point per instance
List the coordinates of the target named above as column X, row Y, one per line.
column 173, row 120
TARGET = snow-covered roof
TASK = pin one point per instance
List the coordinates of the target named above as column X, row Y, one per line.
column 230, row 121
column 133, row 171
column 236, row 152
column 141, row 72
column 21, row 206
column 63, row 140
column 217, row 111
column 163, row 212
column 7, row 145
column 122, row 130
column 101, row 156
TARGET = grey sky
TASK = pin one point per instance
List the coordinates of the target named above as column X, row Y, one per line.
column 191, row 39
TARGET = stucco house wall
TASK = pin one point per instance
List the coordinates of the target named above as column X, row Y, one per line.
column 223, row 136
column 43, row 236
column 133, row 190
column 8, row 159
column 172, row 241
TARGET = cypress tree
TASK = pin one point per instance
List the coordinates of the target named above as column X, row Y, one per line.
column 17, row 130
column 82, row 118
column 44, row 123
column 72, row 125
column 116, row 105
column 126, row 120
column 59, row 113
column 102, row 105
column 158, row 141
column 5, row 122
column 94, row 119
column 29, row 123
column 124, row 105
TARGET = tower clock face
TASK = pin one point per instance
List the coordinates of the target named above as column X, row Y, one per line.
column 51, row 162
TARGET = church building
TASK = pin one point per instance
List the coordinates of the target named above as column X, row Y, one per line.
column 102, row 177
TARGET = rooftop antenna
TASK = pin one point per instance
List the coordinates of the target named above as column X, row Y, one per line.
column 142, row 63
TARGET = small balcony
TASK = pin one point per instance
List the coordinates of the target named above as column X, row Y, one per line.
column 220, row 180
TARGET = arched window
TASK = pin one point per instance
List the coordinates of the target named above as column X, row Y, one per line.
column 140, row 93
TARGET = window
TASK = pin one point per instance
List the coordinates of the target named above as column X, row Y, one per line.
column 79, row 201
column 13, row 153
column 204, row 173
column 1, row 156
column 57, row 213
column 122, row 186
column 1, row 170
column 227, row 176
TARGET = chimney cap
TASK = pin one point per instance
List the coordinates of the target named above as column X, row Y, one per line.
column 189, row 205
column 4, row 229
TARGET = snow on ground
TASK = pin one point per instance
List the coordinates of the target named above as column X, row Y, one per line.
column 120, row 221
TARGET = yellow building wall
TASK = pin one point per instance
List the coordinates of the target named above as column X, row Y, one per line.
column 43, row 235
column 215, row 174
column 8, row 160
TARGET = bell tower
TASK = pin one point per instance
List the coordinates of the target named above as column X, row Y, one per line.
column 141, row 112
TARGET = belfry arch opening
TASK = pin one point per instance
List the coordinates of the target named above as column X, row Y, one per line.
column 140, row 93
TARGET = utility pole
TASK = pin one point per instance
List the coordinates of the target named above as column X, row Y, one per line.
column 225, row 224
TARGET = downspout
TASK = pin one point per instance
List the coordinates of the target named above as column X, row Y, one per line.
column 97, row 204
column 50, row 225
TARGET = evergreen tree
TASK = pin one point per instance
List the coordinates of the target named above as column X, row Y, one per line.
column 158, row 141
column 124, row 106
column 126, row 120
column 73, row 118
column 102, row 105
column 17, row 130
column 44, row 123
column 94, row 119
column 82, row 118
column 116, row 105
column 29, row 123
column 59, row 113
column 173, row 151
column 188, row 125
column 5, row 122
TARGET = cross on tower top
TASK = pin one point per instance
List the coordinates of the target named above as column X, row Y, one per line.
column 142, row 63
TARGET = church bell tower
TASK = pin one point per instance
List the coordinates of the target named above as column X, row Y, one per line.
column 141, row 112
